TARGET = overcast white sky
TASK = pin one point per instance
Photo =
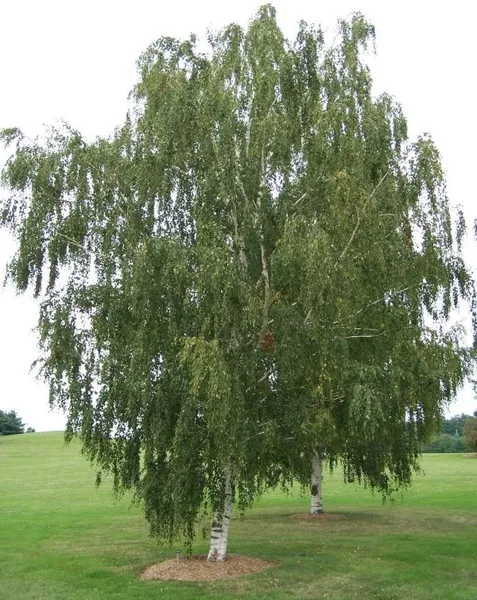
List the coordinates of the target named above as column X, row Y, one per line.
column 75, row 61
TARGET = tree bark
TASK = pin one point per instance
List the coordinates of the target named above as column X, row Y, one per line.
column 317, row 485
column 219, row 536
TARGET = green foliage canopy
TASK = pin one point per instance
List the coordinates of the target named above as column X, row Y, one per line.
column 454, row 425
column 446, row 443
column 470, row 432
column 245, row 269
column 10, row 423
column 450, row 437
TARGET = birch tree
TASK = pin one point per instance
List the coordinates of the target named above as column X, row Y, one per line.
column 470, row 432
column 239, row 276
column 369, row 268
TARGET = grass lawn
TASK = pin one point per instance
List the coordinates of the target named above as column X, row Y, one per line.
column 62, row 539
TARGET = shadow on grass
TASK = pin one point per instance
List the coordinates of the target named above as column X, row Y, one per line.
column 326, row 517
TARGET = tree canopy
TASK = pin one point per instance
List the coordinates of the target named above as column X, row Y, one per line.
column 470, row 432
column 256, row 264
column 10, row 423
column 450, row 438
column 454, row 425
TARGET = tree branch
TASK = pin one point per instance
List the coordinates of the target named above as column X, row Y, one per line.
column 381, row 299
column 308, row 315
column 350, row 241
column 266, row 294
column 72, row 241
column 238, row 179
column 364, row 335
column 263, row 254
column 300, row 199
column 239, row 242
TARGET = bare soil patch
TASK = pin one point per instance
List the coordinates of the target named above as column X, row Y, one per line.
column 320, row 517
column 198, row 568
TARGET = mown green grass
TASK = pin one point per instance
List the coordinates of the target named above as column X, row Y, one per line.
column 62, row 539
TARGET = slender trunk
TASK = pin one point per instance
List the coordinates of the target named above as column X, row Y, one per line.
column 317, row 485
column 219, row 536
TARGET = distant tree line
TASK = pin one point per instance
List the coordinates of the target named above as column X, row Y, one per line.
column 458, row 434
column 11, row 423
column 470, row 432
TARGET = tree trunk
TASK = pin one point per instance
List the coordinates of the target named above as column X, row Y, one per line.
column 317, row 485
column 219, row 536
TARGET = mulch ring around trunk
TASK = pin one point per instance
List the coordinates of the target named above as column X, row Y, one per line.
column 320, row 516
column 198, row 568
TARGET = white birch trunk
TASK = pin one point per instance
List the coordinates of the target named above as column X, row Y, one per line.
column 317, row 485
column 219, row 536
